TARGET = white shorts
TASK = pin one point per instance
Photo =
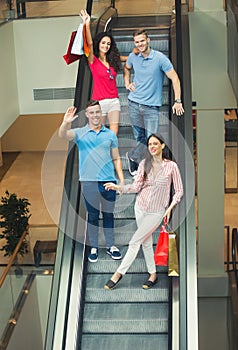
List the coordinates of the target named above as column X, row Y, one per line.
column 109, row 105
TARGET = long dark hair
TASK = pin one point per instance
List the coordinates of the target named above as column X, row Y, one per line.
column 149, row 157
column 113, row 54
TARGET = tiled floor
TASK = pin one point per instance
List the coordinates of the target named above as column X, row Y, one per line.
column 39, row 177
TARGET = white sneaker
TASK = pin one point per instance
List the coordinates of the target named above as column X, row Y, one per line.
column 114, row 252
column 93, row 256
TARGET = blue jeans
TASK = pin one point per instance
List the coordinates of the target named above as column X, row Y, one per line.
column 144, row 121
column 96, row 199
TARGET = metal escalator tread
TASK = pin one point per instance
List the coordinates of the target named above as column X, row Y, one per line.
column 126, row 318
column 128, row 290
column 123, row 342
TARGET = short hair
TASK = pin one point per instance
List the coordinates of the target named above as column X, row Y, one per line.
column 139, row 32
column 92, row 103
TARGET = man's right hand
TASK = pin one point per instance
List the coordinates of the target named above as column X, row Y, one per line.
column 70, row 116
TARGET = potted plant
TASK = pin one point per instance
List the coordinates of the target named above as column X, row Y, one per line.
column 14, row 221
column 9, row 13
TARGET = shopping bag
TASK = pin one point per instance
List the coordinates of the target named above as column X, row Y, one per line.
column 69, row 57
column 173, row 263
column 161, row 250
column 77, row 46
column 86, row 48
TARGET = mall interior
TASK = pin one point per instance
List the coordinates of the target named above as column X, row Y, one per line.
column 51, row 297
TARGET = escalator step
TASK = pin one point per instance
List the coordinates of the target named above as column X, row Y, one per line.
column 128, row 290
column 125, row 318
column 125, row 342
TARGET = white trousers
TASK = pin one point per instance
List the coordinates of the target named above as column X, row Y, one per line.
column 147, row 223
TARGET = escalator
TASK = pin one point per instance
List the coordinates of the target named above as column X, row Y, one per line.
column 82, row 314
column 127, row 316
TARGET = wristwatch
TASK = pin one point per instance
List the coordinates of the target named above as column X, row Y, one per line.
column 178, row 100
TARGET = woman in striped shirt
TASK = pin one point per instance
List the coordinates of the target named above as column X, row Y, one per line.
column 152, row 184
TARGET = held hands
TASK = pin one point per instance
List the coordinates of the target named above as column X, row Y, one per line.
column 131, row 87
column 85, row 16
column 111, row 186
column 70, row 116
column 178, row 109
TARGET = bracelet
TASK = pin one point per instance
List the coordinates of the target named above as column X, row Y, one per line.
column 178, row 100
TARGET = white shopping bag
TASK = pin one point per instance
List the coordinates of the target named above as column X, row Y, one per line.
column 77, row 47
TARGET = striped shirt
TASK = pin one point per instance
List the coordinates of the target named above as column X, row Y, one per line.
column 154, row 194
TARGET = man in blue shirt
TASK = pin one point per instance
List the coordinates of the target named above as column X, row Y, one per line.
column 98, row 155
column 145, row 95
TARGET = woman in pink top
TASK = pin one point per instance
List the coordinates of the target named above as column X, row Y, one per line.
column 104, row 62
column 152, row 184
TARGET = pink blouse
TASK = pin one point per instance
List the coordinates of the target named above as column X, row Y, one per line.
column 154, row 194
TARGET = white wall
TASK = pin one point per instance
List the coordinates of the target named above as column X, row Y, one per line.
column 40, row 45
column 211, row 87
column 31, row 58
column 9, row 108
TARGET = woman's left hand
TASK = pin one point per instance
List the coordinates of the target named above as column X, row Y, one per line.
column 167, row 214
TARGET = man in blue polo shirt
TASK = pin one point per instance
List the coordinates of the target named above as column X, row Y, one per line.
column 98, row 155
column 145, row 95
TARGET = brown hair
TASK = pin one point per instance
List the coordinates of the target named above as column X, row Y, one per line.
column 92, row 103
column 148, row 156
column 139, row 32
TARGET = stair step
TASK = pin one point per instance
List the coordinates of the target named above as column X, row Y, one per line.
column 105, row 263
column 126, row 318
column 123, row 234
column 128, row 290
column 125, row 342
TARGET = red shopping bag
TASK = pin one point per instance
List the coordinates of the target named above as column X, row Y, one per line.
column 162, row 247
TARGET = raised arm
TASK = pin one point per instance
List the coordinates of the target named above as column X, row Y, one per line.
column 177, row 107
column 86, row 20
column 64, row 131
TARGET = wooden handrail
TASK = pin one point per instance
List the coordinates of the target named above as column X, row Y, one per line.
column 41, row 225
column 12, row 258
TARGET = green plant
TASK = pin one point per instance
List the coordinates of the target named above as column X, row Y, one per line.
column 14, row 218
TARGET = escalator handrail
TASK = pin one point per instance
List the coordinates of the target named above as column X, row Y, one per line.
column 235, row 253
column 188, row 324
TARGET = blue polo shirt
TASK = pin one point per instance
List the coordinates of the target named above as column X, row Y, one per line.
column 149, row 77
column 95, row 161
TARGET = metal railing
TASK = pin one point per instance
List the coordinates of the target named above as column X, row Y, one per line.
column 235, row 253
